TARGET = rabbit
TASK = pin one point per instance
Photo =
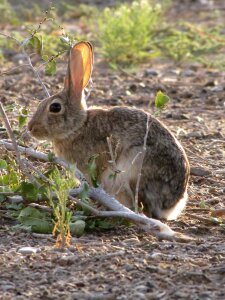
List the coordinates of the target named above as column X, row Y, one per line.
column 114, row 138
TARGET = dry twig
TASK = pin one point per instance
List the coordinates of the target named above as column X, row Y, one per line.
column 20, row 162
column 141, row 165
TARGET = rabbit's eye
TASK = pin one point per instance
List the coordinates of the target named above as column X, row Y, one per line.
column 55, row 107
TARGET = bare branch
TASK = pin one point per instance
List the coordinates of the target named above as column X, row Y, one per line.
column 36, row 73
column 14, row 144
column 141, row 164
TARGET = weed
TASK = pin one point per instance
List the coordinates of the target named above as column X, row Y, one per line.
column 126, row 32
column 184, row 41
column 62, row 215
column 8, row 15
column 68, row 11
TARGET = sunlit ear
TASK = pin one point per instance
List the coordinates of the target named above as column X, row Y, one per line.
column 79, row 69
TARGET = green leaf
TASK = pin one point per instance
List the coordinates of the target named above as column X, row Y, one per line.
column 30, row 216
column 45, row 57
column 51, row 156
column 23, row 117
column 42, row 226
column 29, row 212
column 77, row 228
column 14, row 206
column 83, row 194
column 28, row 190
column 65, row 40
column 161, row 100
column 50, row 68
column 36, row 43
column 3, row 164
column 112, row 176
column 92, row 171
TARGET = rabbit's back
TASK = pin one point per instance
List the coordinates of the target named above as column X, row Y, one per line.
column 165, row 168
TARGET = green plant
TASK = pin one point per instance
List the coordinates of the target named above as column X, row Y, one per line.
column 8, row 15
column 61, row 213
column 68, row 11
column 125, row 32
column 184, row 41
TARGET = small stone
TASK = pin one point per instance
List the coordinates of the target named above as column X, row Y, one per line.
column 150, row 72
column 131, row 241
column 177, row 116
column 5, row 286
column 188, row 73
column 198, row 171
column 128, row 267
column 139, row 296
column 141, row 288
column 217, row 89
column 194, row 134
column 28, row 250
column 156, row 255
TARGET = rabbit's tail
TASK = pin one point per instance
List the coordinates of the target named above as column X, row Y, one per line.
column 173, row 212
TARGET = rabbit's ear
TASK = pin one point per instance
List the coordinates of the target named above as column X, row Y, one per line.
column 79, row 69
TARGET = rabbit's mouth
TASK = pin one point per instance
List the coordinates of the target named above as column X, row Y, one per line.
column 38, row 134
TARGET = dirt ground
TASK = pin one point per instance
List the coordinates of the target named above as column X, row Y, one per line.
column 126, row 263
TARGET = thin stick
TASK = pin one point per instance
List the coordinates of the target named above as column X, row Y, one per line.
column 14, row 143
column 141, row 165
column 36, row 73
column 113, row 157
column 127, row 170
column 202, row 219
column 42, row 176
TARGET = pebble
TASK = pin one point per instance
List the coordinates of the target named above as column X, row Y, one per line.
column 194, row 135
column 19, row 58
column 150, row 72
column 198, row 171
column 129, row 267
column 156, row 255
column 139, row 296
column 187, row 73
column 217, row 89
column 131, row 241
column 177, row 116
column 91, row 296
column 141, row 289
column 5, row 286
column 28, row 250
